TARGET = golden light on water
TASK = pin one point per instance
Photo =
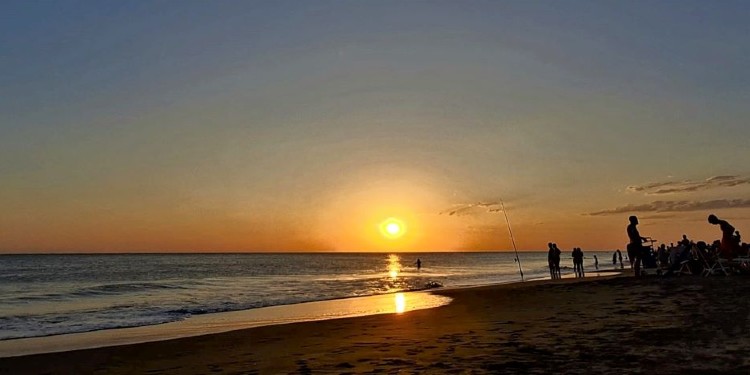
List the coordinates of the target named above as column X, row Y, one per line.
column 400, row 300
column 394, row 265
column 392, row 228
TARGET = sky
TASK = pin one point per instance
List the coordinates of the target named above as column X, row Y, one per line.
column 177, row 126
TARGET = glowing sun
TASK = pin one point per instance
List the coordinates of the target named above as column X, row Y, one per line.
column 392, row 228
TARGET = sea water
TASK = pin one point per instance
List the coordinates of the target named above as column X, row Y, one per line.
column 43, row 295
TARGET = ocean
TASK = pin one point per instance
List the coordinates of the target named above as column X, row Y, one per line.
column 43, row 295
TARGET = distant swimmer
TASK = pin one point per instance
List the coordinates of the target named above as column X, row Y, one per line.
column 596, row 262
column 419, row 264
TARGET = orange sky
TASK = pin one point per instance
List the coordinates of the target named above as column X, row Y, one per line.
column 269, row 126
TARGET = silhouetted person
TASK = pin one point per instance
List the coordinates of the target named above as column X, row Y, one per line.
column 685, row 241
column 662, row 255
column 619, row 257
column 419, row 264
column 728, row 247
column 578, row 261
column 614, row 259
column 635, row 247
column 551, row 261
column 596, row 263
column 558, row 253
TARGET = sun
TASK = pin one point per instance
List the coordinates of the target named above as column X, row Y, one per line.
column 392, row 228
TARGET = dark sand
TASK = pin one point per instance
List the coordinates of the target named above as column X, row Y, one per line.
column 686, row 325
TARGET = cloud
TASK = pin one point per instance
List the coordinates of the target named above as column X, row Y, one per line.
column 658, row 216
column 484, row 229
column 676, row 206
column 688, row 186
column 462, row 209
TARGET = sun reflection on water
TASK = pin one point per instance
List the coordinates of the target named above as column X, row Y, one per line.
column 394, row 265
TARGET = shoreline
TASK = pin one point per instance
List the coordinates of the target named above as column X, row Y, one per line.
column 221, row 322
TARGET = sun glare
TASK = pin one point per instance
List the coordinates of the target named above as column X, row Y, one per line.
column 392, row 228
column 400, row 301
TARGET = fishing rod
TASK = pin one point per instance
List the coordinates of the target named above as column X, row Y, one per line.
column 512, row 239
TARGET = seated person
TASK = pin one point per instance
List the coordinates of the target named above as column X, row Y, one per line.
column 663, row 256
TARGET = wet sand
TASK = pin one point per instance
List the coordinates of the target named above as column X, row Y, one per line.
column 618, row 325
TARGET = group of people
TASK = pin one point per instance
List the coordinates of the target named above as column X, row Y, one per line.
column 617, row 256
column 553, row 258
column 668, row 259
column 729, row 247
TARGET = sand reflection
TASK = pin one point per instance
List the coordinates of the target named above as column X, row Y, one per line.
column 400, row 300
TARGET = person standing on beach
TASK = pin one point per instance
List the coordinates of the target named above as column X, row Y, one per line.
column 551, row 261
column 728, row 246
column 614, row 259
column 577, row 261
column 635, row 247
column 558, row 253
column 619, row 256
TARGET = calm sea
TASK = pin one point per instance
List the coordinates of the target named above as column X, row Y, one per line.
column 43, row 295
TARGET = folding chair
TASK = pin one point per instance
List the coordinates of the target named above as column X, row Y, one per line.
column 714, row 265
column 685, row 267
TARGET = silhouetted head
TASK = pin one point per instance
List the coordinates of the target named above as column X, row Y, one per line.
column 549, row 244
column 633, row 220
column 713, row 219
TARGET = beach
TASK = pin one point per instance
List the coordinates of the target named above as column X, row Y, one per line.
column 595, row 325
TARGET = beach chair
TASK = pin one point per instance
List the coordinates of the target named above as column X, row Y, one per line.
column 713, row 265
column 685, row 267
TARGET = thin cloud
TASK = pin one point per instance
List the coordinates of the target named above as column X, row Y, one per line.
column 483, row 229
column 658, row 216
column 676, row 206
column 689, row 186
column 470, row 208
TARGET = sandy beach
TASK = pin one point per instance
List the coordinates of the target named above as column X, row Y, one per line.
column 615, row 325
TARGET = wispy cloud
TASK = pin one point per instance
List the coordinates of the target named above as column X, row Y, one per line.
column 688, row 186
column 658, row 216
column 676, row 206
column 462, row 209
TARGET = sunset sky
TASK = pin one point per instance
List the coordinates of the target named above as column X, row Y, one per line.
column 306, row 125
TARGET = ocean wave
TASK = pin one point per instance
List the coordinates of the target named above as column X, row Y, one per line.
column 121, row 288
